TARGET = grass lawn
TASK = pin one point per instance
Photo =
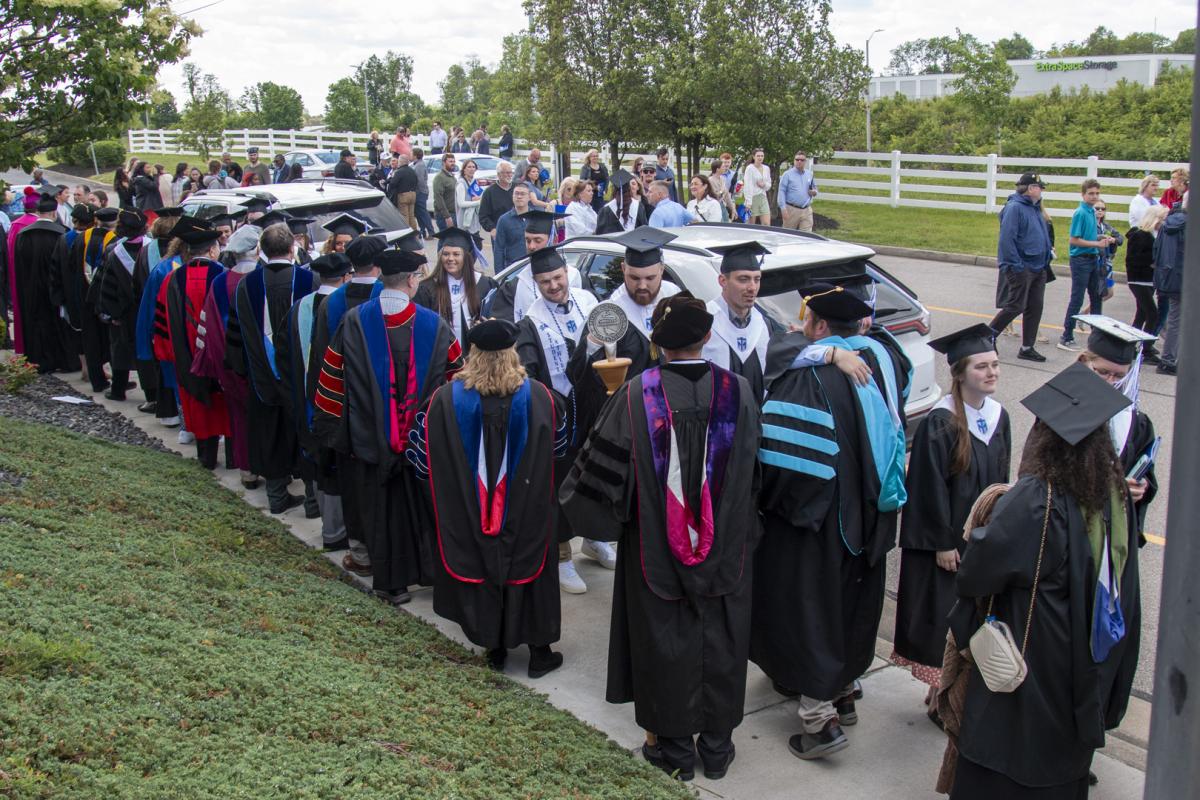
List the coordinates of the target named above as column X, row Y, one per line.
column 968, row 232
column 159, row 638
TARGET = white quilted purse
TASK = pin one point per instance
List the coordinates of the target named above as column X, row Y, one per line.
column 993, row 647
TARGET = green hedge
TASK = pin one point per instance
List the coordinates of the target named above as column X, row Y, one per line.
column 109, row 153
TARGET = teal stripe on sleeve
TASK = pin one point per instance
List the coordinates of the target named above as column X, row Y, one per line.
column 801, row 465
column 808, row 440
column 803, row 413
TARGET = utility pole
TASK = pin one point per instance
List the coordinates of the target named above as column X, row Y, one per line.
column 868, row 58
column 1172, row 771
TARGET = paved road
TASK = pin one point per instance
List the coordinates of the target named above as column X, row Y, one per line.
column 959, row 295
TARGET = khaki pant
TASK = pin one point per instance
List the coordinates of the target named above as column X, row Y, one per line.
column 798, row 219
column 406, row 203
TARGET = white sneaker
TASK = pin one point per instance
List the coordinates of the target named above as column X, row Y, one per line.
column 569, row 580
column 600, row 551
column 186, row 437
column 170, row 422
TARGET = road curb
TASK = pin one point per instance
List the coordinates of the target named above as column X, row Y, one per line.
column 1060, row 270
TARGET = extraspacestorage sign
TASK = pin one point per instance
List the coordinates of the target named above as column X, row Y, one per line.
column 1074, row 66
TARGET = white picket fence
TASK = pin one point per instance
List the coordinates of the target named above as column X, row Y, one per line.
column 963, row 183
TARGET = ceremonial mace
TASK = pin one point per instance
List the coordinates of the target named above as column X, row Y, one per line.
column 607, row 324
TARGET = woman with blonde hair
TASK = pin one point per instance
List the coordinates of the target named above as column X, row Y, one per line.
column 1139, row 272
column 581, row 219
column 486, row 445
column 1144, row 200
column 594, row 170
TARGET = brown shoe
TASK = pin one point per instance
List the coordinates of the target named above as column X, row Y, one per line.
column 350, row 565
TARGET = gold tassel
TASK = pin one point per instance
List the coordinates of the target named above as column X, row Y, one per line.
column 805, row 298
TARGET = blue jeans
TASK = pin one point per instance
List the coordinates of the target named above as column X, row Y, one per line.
column 424, row 223
column 1086, row 276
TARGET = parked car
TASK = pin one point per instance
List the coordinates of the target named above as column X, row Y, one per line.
column 315, row 163
column 321, row 198
column 795, row 259
column 485, row 173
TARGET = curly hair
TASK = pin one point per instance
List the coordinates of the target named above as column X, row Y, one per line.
column 492, row 372
column 1088, row 471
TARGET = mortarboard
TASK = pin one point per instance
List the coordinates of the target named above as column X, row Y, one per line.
column 835, row 303
column 680, row 321
column 185, row 226
column 397, row 262
column 548, row 259
column 455, row 237
column 170, row 211
column 273, row 217
column 46, row 202
column 256, row 205
column 622, row 178
column 405, row 240
column 1113, row 340
column 107, row 214
column 331, row 265
column 363, row 250
column 643, row 246
column 492, row 335
column 299, row 225
column 540, row 222
column 966, row 342
column 131, row 218
column 1075, row 402
column 346, row 225
column 740, row 256
column 229, row 217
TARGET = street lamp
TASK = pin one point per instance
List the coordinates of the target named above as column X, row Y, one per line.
column 868, row 57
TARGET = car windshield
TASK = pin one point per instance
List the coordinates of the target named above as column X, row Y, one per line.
column 328, row 156
column 380, row 215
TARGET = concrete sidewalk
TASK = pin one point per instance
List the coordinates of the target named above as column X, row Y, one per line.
column 895, row 751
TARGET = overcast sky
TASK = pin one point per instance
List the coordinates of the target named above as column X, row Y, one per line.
column 308, row 44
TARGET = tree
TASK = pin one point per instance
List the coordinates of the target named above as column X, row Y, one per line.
column 986, row 83
column 512, row 83
column 1185, row 42
column 162, row 112
column 929, row 56
column 345, row 108
column 272, row 106
column 78, row 71
column 388, row 82
column 1015, row 47
column 202, row 125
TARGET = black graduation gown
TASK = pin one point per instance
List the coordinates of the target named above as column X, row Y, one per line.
column 352, row 418
column 679, row 634
column 503, row 588
column 427, row 296
column 607, row 220
column 34, row 261
column 1137, row 442
column 289, row 354
column 820, row 570
column 1044, row 733
column 533, row 358
column 590, row 394
column 933, row 519
column 115, row 295
column 271, row 435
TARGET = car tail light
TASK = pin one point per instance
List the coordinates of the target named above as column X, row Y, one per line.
column 326, row 173
column 920, row 325
column 484, row 182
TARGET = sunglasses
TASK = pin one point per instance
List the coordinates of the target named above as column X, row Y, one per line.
column 1101, row 208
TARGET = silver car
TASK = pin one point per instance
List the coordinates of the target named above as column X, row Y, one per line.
column 485, row 172
column 793, row 259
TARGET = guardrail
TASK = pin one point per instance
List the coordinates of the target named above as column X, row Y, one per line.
column 962, row 183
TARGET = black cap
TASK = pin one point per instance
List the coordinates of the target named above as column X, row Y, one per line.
column 1113, row 340
column 741, row 256
column 189, row 229
column 346, row 224
column 250, row 150
column 46, row 202
column 1030, row 179
column 170, row 211
column 622, row 178
column 1075, row 402
column 273, row 217
column 364, row 250
column 643, row 246
column 966, row 342
column 548, row 259
column 679, row 321
column 229, row 217
column 331, row 265
column 455, row 237
column 835, row 303
column 106, row 214
column 200, row 236
column 397, row 262
column 132, row 218
column 492, row 335
column 84, row 213
column 406, row 240
column 256, row 204
column 540, row 222
column 345, row 153
column 299, row 225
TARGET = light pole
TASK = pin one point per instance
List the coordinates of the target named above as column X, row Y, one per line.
column 868, row 58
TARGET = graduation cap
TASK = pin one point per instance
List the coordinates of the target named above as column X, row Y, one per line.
column 1113, row 340
column 299, row 225
column 256, row 205
column 346, row 225
column 456, row 237
column 740, row 256
column 83, row 213
column 405, row 240
column 623, row 178
column 363, row 250
column 967, row 342
column 1075, row 402
column 244, row 239
column 492, row 335
column 679, row 321
column 170, row 211
column 46, row 202
column 229, row 218
column 107, row 214
column 132, row 219
column 548, row 259
column 643, row 246
column 273, row 217
column 835, row 303
column 540, row 222
column 331, row 265
column 194, row 231
column 397, row 262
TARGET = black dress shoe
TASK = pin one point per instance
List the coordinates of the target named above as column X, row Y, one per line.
column 1029, row 354
column 292, row 501
column 715, row 773
column 148, row 407
column 543, row 660
column 1166, row 369
column 341, row 544
column 828, row 741
column 847, row 713
column 496, row 658
column 312, row 513
column 654, row 754
column 113, row 394
column 101, row 387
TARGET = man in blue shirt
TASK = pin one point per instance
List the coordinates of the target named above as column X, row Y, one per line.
column 667, row 213
column 663, row 172
column 797, row 188
column 1023, row 254
column 1087, row 274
